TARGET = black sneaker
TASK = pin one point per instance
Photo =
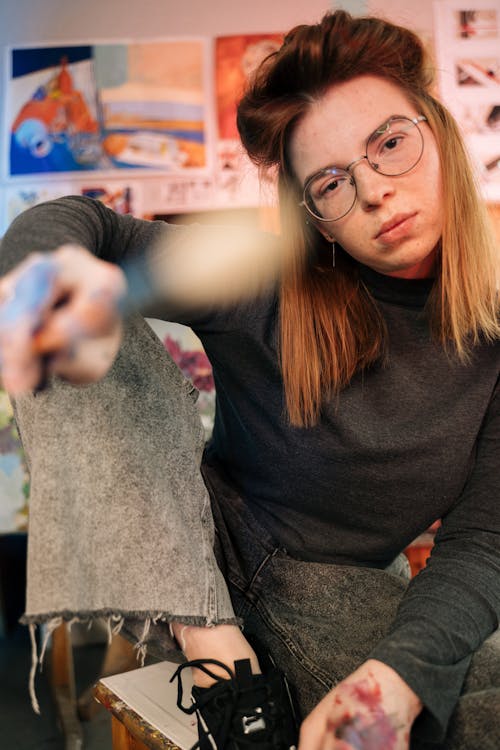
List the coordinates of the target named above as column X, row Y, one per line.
column 244, row 712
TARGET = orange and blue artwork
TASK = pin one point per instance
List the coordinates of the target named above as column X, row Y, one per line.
column 55, row 122
column 108, row 107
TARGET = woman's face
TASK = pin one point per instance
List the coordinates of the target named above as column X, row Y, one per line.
column 396, row 222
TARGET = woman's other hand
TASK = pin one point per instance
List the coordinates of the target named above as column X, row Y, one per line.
column 372, row 709
column 59, row 313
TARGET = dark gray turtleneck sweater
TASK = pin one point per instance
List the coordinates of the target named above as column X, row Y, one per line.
column 415, row 440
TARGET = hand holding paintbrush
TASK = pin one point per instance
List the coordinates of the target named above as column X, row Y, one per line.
column 63, row 311
column 58, row 313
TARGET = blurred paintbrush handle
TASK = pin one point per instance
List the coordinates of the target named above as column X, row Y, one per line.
column 216, row 265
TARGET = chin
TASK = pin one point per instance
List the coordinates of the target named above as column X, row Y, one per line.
column 420, row 270
column 420, row 267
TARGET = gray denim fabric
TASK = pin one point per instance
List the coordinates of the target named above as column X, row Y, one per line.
column 120, row 524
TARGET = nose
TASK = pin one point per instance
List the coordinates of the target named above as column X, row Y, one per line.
column 372, row 187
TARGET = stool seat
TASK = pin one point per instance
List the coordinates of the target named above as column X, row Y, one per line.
column 143, row 704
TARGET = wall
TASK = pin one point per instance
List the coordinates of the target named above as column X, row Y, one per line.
column 25, row 21
column 46, row 21
column 415, row 15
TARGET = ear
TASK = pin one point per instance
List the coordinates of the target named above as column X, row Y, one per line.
column 324, row 231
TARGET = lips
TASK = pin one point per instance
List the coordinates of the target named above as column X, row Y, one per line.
column 395, row 225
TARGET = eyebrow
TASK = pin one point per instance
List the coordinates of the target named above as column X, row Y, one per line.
column 379, row 130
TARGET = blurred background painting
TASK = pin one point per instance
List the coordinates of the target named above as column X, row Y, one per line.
column 107, row 107
column 14, row 486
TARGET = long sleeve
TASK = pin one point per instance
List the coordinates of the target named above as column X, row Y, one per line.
column 78, row 220
column 453, row 605
column 86, row 222
column 173, row 271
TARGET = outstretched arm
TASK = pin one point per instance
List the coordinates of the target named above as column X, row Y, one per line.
column 51, row 306
column 60, row 304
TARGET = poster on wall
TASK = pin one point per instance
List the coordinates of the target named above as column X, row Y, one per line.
column 467, row 38
column 22, row 197
column 108, row 107
column 122, row 197
column 236, row 59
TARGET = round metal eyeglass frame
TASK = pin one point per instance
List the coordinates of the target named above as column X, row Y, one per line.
column 348, row 170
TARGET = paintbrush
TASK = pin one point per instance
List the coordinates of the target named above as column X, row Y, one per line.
column 204, row 266
column 190, row 268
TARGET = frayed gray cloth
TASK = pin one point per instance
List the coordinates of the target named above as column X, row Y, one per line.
column 116, row 500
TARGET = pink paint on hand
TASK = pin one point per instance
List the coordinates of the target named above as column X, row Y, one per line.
column 371, row 731
column 370, row 695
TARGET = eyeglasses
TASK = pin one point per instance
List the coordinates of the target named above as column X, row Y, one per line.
column 393, row 149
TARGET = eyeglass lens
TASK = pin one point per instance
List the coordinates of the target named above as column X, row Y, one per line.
column 392, row 150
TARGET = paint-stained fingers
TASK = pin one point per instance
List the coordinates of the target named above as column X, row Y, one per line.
column 25, row 294
column 48, row 306
column 21, row 370
column 27, row 291
column 89, row 290
column 343, row 735
column 90, row 295
column 89, row 361
column 61, row 347
column 91, row 314
column 82, row 339
column 69, row 279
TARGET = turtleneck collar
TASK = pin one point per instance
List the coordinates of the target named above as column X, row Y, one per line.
column 403, row 292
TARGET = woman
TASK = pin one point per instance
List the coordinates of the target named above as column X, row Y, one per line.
column 356, row 405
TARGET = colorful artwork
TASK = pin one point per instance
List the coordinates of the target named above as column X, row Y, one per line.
column 236, row 59
column 54, row 111
column 467, row 44
column 476, row 24
column 18, row 199
column 107, row 107
column 479, row 72
column 152, row 99
column 187, row 352
column 14, row 482
column 121, row 197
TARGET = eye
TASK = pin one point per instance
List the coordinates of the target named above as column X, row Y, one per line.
column 392, row 143
column 326, row 187
column 329, row 187
column 388, row 144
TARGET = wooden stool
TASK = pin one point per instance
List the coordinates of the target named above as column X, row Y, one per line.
column 143, row 704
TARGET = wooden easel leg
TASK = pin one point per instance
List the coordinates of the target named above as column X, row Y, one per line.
column 62, row 678
column 122, row 739
column 120, row 656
